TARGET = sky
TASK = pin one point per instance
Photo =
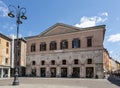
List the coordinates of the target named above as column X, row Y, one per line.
column 42, row 14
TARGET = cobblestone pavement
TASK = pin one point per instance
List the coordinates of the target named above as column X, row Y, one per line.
column 57, row 83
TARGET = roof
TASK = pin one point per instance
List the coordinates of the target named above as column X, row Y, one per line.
column 69, row 27
column 5, row 37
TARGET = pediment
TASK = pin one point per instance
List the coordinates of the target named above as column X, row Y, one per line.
column 59, row 29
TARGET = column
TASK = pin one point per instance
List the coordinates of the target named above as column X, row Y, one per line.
column 69, row 71
column 1, row 72
column 48, row 72
column 58, row 74
column 82, row 74
column 37, row 71
column 8, row 72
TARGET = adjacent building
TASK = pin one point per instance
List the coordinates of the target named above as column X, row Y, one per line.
column 5, row 56
column 66, row 51
column 20, row 60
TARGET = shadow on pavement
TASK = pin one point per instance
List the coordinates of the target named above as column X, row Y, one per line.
column 113, row 80
column 6, row 85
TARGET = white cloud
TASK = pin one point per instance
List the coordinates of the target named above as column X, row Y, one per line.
column 104, row 14
column 3, row 9
column 114, row 38
column 92, row 21
column 13, row 36
column 9, row 26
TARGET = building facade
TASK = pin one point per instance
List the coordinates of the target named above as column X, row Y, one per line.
column 21, row 60
column 5, row 56
column 66, row 51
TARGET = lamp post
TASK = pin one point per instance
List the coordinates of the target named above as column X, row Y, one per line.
column 20, row 14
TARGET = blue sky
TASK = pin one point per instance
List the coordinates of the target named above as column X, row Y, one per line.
column 81, row 13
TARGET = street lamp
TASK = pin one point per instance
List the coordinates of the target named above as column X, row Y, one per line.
column 20, row 14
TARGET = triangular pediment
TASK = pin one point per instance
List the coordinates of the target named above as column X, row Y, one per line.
column 59, row 28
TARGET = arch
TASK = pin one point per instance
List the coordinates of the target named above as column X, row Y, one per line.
column 76, row 43
column 53, row 45
column 43, row 46
column 64, row 44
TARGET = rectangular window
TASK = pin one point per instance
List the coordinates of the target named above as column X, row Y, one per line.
column 7, row 44
column 53, row 62
column 7, row 51
column 6, row 60
column 89, row 61
column 89, row 42
column 76, row 61
column 43, row 62
column 64, row 62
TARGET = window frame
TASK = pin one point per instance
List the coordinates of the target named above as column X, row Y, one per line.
column 52, row 62
column 64, row 62
column 53, row 45
column 33, row 47
column 43, row 46
column 76, row 43
column 75, row 61
column 33, row 62
column 89, row 41
column 64, row 44
column 89, row 61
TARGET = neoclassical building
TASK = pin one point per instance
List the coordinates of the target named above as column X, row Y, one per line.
column 66, row 51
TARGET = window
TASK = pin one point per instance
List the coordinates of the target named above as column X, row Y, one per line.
column 6, row 60
column 64, row 62
column 33, row 47
column 42, row 62
column 33, row 63
column 19, row 52
column 64, row 44
column 7, row 51
column 43, row 46
column 53, row 45
column 76, row 61
column 89, row 41
column 7, row 44
column 76, row 43
column 89, row 61
column 53, row 62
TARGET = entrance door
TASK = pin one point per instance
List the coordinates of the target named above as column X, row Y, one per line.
column 53, row 72
column 89, row 72
column 63, row 72
column 43, row 72
column 76, row 72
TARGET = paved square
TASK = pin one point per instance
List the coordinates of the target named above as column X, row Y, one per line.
column 57, row 83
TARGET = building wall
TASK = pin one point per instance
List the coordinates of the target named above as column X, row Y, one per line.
column 106, row 61
column 5, row 53
column 21, row 56
column 82, row 54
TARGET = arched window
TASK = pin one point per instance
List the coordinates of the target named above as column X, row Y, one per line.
column 33, row 47
column 43, row 46
column 42, row 62
column 33, row 63
column 89, row 61
column 52, row 62
column 53, row 45
column 76, row 43
column 64, row 62
column 64, row 44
